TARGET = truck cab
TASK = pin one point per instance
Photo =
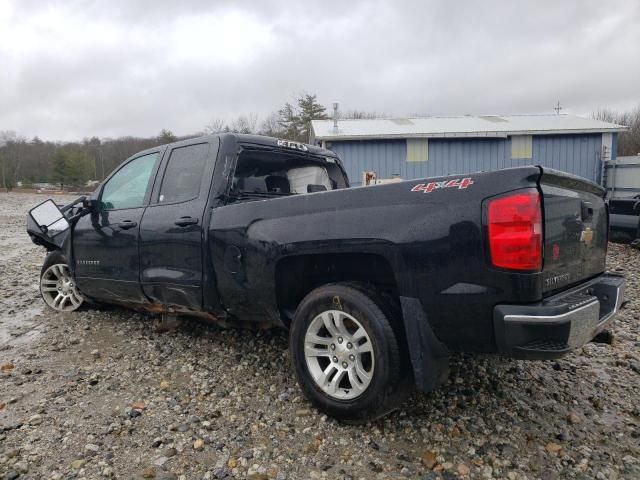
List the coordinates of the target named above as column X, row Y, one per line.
column 145, row 240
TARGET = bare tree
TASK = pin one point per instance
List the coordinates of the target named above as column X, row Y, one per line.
column 629, row 141
column 241, row 124
column 216, row 125
column 359, row 115
column 11, row 155
column 289, row 122
column 245, row 124
column 4, row 136
column 271, row 126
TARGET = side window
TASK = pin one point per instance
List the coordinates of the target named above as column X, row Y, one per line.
column 128, row 187
column 183, row 175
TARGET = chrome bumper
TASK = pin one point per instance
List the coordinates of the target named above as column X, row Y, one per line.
column 561, row 323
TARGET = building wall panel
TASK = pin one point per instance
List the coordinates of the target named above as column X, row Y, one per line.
column 577, row 154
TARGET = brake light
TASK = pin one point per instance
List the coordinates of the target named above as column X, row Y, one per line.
column 515, row 231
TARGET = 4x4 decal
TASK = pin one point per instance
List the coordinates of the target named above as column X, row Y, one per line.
column 459, row 183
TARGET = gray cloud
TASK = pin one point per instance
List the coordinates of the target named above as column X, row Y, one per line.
column 75, row 69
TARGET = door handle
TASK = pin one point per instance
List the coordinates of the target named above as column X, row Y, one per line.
column 127, row 224
column 185, row 221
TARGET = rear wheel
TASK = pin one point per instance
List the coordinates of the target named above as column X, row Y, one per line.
column 339, row 354
column 57, row 286
column 346, row 354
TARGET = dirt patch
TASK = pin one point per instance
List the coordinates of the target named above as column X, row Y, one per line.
column 102, row 394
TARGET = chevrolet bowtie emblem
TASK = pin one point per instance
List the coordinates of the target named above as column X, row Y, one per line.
column 586, row 235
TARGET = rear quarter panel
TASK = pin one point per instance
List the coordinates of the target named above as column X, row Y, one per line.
column 433, row 241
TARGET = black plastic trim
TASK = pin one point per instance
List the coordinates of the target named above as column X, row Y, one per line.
column 429, row 357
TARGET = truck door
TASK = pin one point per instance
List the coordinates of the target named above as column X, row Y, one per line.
column 105, row 242
column 172, row 230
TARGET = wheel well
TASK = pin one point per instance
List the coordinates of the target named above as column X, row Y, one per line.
column 297, row 276
column 52, row 257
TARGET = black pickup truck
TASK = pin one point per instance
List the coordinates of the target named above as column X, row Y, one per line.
column 624, row 216
column 377, row 285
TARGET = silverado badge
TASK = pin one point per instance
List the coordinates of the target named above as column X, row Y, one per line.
column 88, row 262
column 295, row 145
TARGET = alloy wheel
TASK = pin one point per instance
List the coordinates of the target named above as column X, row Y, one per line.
column 339, row 354
column 59, row 290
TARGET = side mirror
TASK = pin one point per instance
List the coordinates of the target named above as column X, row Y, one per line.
column 49, row 219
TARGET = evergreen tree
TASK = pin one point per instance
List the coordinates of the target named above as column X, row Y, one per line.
column 295, row 122
column 309, row 109
column 289, row 120
column 79, row 167
column 166, row 136
column 59, row 167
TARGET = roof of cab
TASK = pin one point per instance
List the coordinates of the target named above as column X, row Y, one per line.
column 248, row 139
column 278, row 143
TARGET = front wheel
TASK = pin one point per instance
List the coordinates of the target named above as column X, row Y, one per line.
column 57, row 286
column 346, row 354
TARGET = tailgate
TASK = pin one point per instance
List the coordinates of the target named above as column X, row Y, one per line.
column 575, row 230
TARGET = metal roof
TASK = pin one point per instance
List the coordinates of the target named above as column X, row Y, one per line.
column 465, row 126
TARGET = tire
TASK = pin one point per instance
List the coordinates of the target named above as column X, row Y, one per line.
column 57, row 286
column 351, row 377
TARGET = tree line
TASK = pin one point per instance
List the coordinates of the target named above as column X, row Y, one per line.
column 32, row 161
column 629, row 141
column 74, row 163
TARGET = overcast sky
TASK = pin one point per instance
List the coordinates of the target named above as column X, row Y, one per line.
column 75, row 69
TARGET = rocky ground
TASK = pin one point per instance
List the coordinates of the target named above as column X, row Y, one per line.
column 104, row 394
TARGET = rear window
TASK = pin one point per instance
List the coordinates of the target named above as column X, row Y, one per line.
column 184, row 173
column 277, row 173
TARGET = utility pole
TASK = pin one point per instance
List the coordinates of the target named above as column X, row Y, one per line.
column 558, row 108
column 101, row 160
column 4, row 183
column 2, row 161
column 95, row 164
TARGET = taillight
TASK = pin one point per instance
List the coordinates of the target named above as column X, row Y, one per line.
column 515, row 231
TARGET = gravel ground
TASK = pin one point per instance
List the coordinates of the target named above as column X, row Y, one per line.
column 106, row 394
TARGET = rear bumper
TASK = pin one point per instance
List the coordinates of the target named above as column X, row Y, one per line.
column 559, row 324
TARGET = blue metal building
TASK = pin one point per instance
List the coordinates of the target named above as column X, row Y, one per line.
column 427, row 147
